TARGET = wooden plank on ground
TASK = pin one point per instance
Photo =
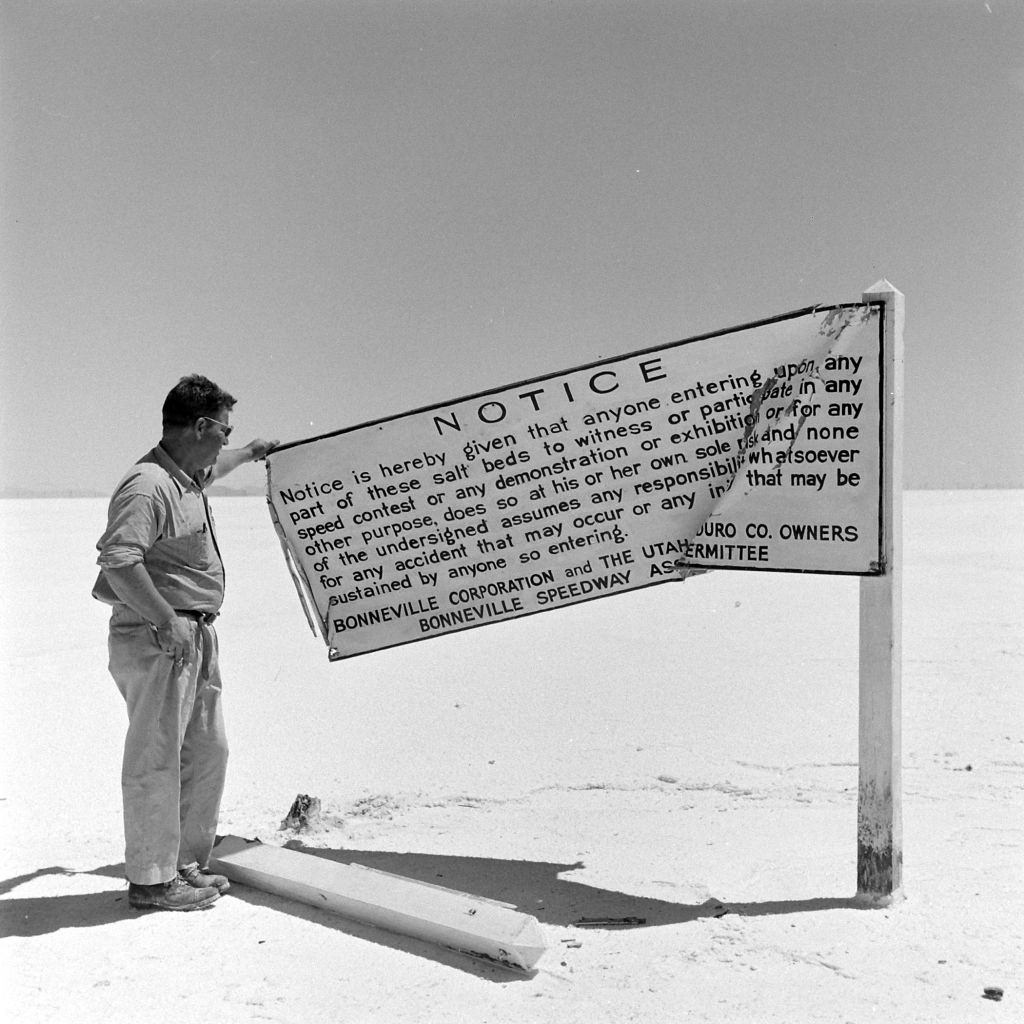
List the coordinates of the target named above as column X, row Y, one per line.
column 470, row 924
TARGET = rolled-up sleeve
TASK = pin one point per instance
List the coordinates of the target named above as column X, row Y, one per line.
column 133, row 525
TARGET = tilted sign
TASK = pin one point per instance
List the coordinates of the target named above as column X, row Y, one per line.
column 756, row 447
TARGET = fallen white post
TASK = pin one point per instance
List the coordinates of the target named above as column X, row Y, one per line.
column 473, row 925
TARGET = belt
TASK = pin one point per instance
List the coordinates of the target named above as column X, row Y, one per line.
column 206, row 617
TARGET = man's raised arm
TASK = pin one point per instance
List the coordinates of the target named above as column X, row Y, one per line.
column 232, row 458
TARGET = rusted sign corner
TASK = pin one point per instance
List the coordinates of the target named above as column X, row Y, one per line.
column 833, row 325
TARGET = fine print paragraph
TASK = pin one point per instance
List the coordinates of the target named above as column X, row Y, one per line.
column 756, row 449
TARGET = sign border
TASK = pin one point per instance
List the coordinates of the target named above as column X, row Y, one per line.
column 877, row 568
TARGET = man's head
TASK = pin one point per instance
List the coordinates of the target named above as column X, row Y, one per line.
column 196, row 420
column 194, row 397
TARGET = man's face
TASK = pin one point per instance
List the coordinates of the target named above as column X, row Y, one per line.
column 214, row 434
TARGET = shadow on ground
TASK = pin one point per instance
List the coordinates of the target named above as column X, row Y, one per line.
column 32, row 917
column 538, row 888
column 532, row 887
column 40, row 915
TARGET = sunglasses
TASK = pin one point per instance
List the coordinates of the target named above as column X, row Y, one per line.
column 226, row 428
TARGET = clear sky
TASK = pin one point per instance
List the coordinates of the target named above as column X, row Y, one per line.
column 347, row 209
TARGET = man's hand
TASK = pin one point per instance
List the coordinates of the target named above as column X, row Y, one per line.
column 259, row 448
column 231, row 458
column 175, row 640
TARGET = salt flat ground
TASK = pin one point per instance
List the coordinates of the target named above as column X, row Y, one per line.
column 660, row 755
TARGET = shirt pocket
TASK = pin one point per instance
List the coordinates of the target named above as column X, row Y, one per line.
column 191, row 550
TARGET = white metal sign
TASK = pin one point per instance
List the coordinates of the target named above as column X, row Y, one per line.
column 756, row 447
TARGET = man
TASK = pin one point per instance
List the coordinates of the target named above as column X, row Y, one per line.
column 160, row 570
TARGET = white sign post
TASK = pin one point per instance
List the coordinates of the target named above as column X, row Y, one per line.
column 879, row 807
column 469, row 924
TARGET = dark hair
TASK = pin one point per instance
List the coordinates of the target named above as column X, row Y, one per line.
column 192, row 397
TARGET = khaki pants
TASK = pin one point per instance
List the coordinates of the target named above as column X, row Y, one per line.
column 175, row 752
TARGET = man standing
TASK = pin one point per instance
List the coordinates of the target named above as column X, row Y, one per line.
column 161, row 571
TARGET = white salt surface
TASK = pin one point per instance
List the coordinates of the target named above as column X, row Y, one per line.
column 654, row 755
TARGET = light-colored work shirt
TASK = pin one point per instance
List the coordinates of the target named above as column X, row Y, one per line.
column 159, row 516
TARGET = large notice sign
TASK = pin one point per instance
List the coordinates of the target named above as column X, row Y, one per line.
column 756, row 447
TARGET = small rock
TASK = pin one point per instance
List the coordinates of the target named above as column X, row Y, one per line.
column 994, row 993
column 304, row 813
column 671, row 779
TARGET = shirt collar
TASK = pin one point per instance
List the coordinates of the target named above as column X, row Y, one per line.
column 176, row 473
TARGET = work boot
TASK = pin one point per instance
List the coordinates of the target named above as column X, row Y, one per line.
column 203, row 878
column 173, row 895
